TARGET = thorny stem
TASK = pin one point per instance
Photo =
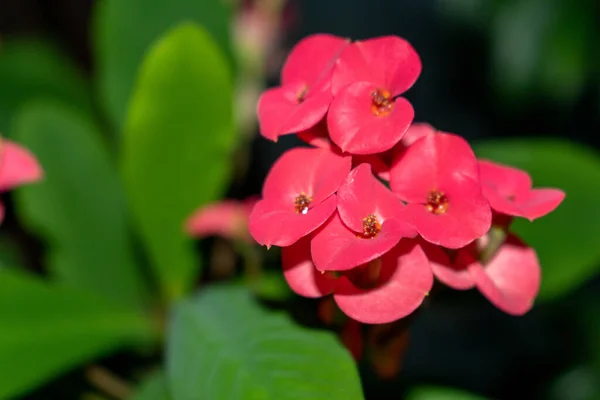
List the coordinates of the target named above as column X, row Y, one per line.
column 108, row 383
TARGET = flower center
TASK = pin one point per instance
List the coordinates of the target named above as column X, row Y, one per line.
column 437, row 202
column 382, row 102
column 301, row 94
column 301, row 203
column 371, row 227
column 365, row 276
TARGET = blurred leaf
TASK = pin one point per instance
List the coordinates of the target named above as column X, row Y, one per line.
column 154, row 388
column 578, row 383
column 31, row 69
column 441, row 393
column 79, row 207
column 270, row 285
column 10, row 252
column 222, row 345
column 48, row 329
column 125, row 30
column 567, row 239
column 176, row 147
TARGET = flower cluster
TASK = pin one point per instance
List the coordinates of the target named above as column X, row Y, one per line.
column 378, row 205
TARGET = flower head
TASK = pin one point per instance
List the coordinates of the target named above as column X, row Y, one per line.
column 298, row 195
column 17, row 167
column 370, row 221
column 438, row 177
column 383, row 290
column 305, row 92
column 228, row 219
column 510, row 279
column 367, row 114
column 509, row 192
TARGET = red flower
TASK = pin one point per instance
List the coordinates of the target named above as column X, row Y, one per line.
column 438, row 177
column 228, row 219
column 298, row 195
column 367, row 115
column 17, row 167
column 370, row 221
column 305, row 92
column 382, row 163
column 384, row 290
column 510, row 279
column 509, row 192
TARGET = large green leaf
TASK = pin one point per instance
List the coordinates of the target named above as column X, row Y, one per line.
column 31, row 69
column 125, row 31
column 154, row 388
column 79, row 207
column 222, row 345
column 441, row 393
column 47, row 329
column 176, row 146
column 567, row 239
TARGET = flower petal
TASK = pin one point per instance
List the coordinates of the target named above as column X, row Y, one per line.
column 432, row 162
column 406, row 279
column 312, row 58
column 362, row 194
column 318, row 136
column 281, row 113
column 389, row 62
column 300, row 272
column 317, row 173
column 511, row 279
column 468, row 216
column 228, row 219
column 335, row 247
column 540, row 202
column 272, row 223
column 356, row 129
column 18, row 166
column 452, row 274
column 505, row 180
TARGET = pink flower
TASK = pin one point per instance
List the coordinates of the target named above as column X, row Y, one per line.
column 228, row 219
column 509, row 192
column 510, row 279
column 370, row 221
column 438, row 177
column 305, row 92
column 383, row 290
column 17, row 167
column 382, row 163
column 298, row 195
column 367, row 115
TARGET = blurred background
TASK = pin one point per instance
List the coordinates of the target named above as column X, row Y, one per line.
column 513, row 71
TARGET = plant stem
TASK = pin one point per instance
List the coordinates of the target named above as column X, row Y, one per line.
column 496, row 238
column 108, row 382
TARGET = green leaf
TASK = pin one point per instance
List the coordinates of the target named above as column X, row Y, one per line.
column 154, row 388
column 48, row 329
column 441, row 393
column 566, row 239
column 222, row 345
column 125, row 30
column 32, row 69
column 79, row 207
column 176, row 147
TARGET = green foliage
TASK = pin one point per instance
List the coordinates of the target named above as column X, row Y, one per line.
column 176, row 147
column 566, row 239
column 32, row 69
column 125, row 31
column 48, row 329
column 154, row 388
column 79, row 207
column 441, row 393
column 222, row 345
